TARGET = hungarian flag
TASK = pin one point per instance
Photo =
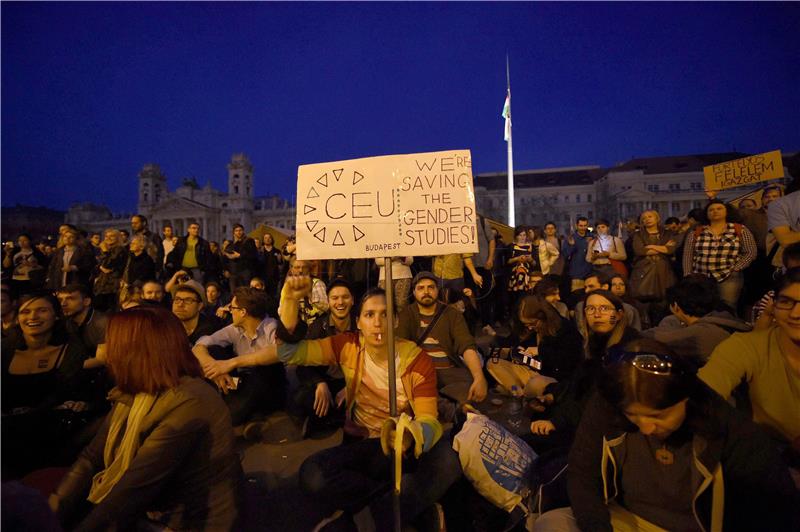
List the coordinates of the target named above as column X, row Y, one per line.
column 507, row 115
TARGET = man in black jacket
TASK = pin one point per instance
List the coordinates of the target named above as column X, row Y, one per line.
column 191, row 253
column 242, row 258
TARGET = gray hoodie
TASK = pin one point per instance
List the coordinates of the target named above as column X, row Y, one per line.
column 700, row 338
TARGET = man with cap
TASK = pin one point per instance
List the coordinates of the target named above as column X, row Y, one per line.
column 442, row 332
column 187, row 302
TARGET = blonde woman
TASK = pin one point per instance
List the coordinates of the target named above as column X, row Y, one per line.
column 110, row 266
column 653, row 247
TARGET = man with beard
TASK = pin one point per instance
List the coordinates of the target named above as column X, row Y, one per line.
column 84, row 322
column 442, row 332
column 153, row 291
column 188, row 301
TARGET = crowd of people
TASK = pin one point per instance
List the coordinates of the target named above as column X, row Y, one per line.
column 660, row 361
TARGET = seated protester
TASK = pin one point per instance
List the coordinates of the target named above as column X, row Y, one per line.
column 316, row 303
column 552, row 341
column 598, row 281
column 165, row 458
column 442, row 332
column 129, row 296
column 84, row 322
column 606, row 327
column 356, row 475
column 618, row 286
column 769, row 362
column 187, row 302
column 256, row 388
column 696, row 326
column 682, row 458
column 762, row 313
column 548, row 289
column 42, row 376
column 153, row 291
column 213, row 298
column 259, row 284
column 319, row 385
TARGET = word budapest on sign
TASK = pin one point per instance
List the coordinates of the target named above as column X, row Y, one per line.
column 395, row 205
column 744, row 171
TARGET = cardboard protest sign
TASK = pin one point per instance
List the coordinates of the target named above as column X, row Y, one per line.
column 394, row 205
column 744, row 171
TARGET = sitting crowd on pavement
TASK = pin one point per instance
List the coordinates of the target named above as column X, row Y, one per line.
column 659, row 365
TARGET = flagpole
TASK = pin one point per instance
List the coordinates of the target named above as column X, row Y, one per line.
column 511, row 215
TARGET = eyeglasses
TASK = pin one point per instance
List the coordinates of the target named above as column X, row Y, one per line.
column 233, row 307
column 785, row 303
column 601, row 309
column 654, row 363
column 185, row 300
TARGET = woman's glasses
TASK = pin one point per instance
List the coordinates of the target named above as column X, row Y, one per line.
column 785, row 303
column 603, row 310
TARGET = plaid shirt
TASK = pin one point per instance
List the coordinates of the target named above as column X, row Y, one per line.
column 719, row 256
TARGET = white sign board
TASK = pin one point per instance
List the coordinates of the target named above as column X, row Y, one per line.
column 395, row 205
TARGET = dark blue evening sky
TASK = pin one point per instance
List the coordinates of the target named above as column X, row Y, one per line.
column 93, row 91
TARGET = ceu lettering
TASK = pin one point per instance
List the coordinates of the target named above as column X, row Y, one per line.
column 416, row 204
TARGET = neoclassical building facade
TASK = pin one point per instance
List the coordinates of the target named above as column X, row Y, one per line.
column 671, row 185
column 216, row 211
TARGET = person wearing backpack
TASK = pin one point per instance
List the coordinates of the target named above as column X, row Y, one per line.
column 720, row 249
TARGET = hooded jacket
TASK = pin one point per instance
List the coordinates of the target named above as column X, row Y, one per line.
column 700, row 338
column 738, row 481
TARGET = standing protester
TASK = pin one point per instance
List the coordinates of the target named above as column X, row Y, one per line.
column 191, row 254
column 651, row 273
column 401, row 279
column 167, row 243
column 721, row 249
column 606, row 252
column 574, row 252
column 552, row 237
column 139, row 266
column 242, row 258
column 153, row 245
column 522, row 262
column 270, row 259
column 28, row 265
column 110, row 266
column 71, row 263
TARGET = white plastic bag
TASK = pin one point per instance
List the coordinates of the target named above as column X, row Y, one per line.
column 496, row 462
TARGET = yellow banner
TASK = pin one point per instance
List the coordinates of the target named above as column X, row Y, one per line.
column 744, row 171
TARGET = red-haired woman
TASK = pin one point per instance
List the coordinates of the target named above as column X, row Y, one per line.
column 166, row 450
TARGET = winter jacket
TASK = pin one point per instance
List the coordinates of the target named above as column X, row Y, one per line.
column 699, row 339
column 737, row 478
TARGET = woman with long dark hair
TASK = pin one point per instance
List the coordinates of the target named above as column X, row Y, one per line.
column 166, row 451
column 656, row 449
column 606, row 327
